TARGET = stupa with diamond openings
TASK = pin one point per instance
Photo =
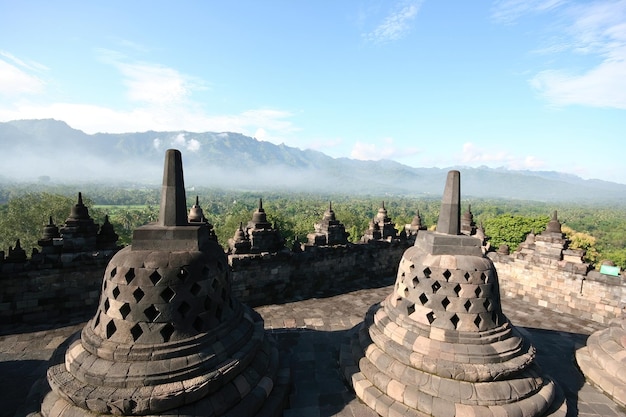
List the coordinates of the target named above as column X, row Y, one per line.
column 168, row 338
column 439, row 344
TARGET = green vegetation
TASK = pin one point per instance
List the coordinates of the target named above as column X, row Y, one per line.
column 600, row 230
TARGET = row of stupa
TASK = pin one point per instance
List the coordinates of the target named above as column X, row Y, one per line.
column 81, row 235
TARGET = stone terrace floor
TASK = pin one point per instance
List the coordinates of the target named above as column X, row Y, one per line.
column 311, row 331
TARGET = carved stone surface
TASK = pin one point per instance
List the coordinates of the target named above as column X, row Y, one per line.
column 439, row 344
column 603, row 360
column 168, row 338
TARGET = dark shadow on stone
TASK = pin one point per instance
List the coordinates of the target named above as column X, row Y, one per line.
column 555, row 355
column 62, row 320
column 35, row 382
column 17, row 379
column 316, row 378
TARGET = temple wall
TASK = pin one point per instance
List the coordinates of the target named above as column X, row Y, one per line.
column 562, row 286
column 260, row 280
column 37, row 296
column 51, row 295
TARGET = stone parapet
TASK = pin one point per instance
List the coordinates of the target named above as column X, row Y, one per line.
column 562, row 286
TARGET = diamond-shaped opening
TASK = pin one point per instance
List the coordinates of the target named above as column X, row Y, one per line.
column 116, row 292
column 445, row 302
column 218, row 312
column 136, row 331
column 436, row 286
column 406, row 292
column 183, row 309
column 104, row 285
column 403, row 274
column 197, row 324
column 220, row 267
column 195, row 288
column 410, row 309
column 487, row 304
column 215, row 284
column 206, row 271
column 110, row 329
column 167, row 331
column 224, row 294
column 155, row 277
column 207, row 303
column 138, row 294
column 151, row 313
column 457, row 289
column 455, row 320
column 415, row 282
column 447, row 274
column 107, row 305
column 129, row 275
column 125, row 310
column 477, row 321
column 167, row 294
column 483, row 277
column 427, row 272
column 182, row 274
column 423, row 298
column 230, row 302
column 430, row 317
column 113, row 272
column 96, row 321
column 467, row 305
column 495, row 317
column 467, row 276
column 478, row 291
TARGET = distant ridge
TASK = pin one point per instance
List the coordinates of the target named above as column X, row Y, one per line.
column 35, row 148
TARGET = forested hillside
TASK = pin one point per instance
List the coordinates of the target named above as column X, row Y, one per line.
column 600, row 229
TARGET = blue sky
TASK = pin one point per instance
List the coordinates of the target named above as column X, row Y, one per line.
column 520, row 84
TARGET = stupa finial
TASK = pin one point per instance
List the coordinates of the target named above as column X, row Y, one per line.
column 450, row 214
column 173, row 211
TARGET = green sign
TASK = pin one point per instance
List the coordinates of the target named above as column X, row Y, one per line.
column 609, row 270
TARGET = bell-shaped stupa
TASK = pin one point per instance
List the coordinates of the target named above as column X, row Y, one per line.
column 439, row 344
column 168, row 338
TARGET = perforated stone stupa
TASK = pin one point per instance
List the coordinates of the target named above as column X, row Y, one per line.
column 168, row 338
column 439, row 344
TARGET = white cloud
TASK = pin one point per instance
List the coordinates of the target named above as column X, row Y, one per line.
column 152, row 83
column 180, row 141
column 374, row 152
column 472, row 155
column 395, row 25
column 17, row 77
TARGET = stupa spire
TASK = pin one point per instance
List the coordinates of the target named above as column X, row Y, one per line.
column 450, row 213
column 173, row 210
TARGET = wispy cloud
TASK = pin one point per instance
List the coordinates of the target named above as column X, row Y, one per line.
column 18, row 76
column 152, row 83
column 509, row 11
column 384, row 150
column 396, row 24
column 598, row 30
column 158, row 98
column 472, row 155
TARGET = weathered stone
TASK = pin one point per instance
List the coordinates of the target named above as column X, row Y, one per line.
column 439, row 344
column 168, row 337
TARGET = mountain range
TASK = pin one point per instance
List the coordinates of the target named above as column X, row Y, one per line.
column 50, row 149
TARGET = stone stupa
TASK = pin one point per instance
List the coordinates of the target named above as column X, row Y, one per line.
column 168, row 338
column 439, row 344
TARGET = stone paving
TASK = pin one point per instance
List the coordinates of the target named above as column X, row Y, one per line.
column 311, row 332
